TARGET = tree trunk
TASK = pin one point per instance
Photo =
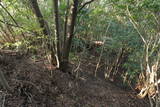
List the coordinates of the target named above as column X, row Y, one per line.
column 37, row 12
column 46, row 31
column 68, row 33
column 71, row 29
column 57, row 19
column 64, row 63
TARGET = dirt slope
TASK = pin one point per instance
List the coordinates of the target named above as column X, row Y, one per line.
column 35, row 86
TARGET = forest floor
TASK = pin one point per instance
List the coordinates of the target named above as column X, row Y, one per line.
column 35, row 86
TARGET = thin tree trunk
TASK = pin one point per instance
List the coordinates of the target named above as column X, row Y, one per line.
column 66, row 23
column 46, row 31
column 58, row 40
column 68, row 33
column 64, row 64
column 42, row 22
column 71, row 29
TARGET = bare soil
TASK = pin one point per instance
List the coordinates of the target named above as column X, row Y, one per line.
column 36, row 86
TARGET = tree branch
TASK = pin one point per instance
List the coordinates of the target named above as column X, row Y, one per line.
column 85, row 5
column 10, row 24
column 11, row 17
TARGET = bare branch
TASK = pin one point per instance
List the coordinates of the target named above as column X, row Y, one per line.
column 135, row 25
column 85, row 5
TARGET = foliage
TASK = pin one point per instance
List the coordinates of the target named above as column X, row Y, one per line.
column 104, row 20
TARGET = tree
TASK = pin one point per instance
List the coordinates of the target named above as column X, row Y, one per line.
column 64, row 32
column 64, row 38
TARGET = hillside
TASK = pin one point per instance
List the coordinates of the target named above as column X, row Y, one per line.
column 35, row 86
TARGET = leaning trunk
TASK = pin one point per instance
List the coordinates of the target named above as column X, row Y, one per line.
column 46, row 31
column 37, row 12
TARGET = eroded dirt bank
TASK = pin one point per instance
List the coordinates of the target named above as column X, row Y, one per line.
column 35, row 86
